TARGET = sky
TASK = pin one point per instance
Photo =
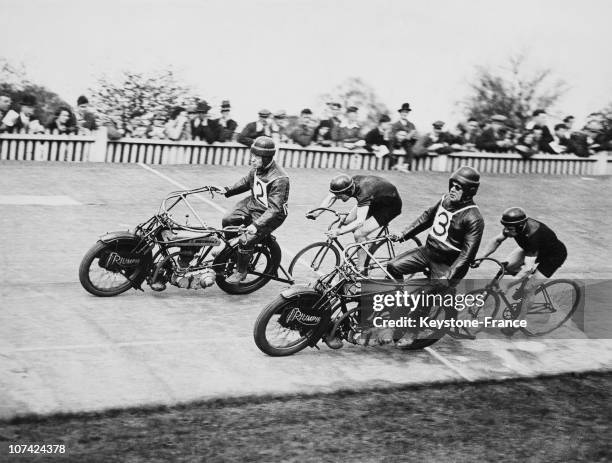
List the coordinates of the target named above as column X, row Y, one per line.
column 283, row 54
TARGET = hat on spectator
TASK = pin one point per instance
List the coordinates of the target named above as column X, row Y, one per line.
column 225, row 105
column 499, row 118
column 280, row 114
column 82, row 100
column 567, row 118
column 384, row 118
column 561, row 126
column 264, row 113
column 334, row 104
column 202, row 107
column 28, row 100
column 405, row 107
column 537, row 112
column 306, row 111
column 438, row 124
column 352, row 109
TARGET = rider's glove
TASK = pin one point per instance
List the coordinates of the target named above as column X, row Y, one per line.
column 395, row 237
column 476, row 263
column 311, row 216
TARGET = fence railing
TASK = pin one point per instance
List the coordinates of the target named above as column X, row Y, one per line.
column 97, row 148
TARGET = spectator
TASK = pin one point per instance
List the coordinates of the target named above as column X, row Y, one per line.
column 156, row 131
column 112, row 122
column 323, row 134
column 256, row 129
column 466, row 140
column 493, row 139
column 527, row 144
column 64, row 122
column 279, row 126
column 377, row 140
column 304, row 132
column 227, row 125
column 401, row 141
column 561, row 142
column 5, row 106
column 202, row 127
column 350, row 130
column 438, row 141
column 178, row 127
column 85, row 120
column 540, row 119
column 404, row 124
column 334, row 122
column 569, row 122
column 23, row 121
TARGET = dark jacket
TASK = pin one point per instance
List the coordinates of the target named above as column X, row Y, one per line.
column 463, row 234
column 226, row 133
column 269, row 194
column 375, row 138
column 250, row 133
column 302, row 135
column 208, row 132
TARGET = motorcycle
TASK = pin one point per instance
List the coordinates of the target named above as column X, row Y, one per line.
column 160, row 251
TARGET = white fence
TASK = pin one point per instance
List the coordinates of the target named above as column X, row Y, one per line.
column 98, row 149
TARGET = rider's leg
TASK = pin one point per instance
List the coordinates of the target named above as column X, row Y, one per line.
column 514, row 263
column 361, row 235
column 246, row 246
column 409, row 262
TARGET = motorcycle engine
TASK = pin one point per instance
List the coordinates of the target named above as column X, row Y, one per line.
column 195, row 280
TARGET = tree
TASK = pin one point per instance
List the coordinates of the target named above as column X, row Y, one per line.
column 355, row 92
column 15, row 83
column 137, row 94
column 512, row 91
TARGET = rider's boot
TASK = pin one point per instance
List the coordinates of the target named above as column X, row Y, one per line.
column 242, row 267
column 333, row 342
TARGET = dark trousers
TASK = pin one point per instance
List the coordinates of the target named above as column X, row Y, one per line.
column 414, row 261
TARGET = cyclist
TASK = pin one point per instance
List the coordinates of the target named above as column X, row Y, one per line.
column 265, row 209
column 378, row 202
column 456, row 228
column 538, row 256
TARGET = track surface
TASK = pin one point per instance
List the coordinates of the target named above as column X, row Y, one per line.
column 62, row 350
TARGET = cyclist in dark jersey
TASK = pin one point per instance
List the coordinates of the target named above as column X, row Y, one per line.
column 538, row 256
column 378, row 202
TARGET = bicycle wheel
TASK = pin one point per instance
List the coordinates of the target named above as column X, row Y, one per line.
column 314, row 261
column 425, row 336
column 553, row 304
column 383, row 252
column 486, row 304
column 276, row 331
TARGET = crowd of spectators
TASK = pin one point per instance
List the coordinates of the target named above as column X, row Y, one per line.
column 397, row 139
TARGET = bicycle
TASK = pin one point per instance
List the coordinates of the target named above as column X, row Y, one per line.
column 321, row 257
column 302, row 315
column 553, row 303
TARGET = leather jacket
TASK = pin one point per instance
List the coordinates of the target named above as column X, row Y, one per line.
column 269, row 194
column 455, row 235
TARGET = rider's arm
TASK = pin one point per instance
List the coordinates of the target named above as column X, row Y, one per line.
column 422, row 223
column 327, row 202
column 492, row 246
column 361, row 216
column 474, row 226
column 529, row 265
column 241, row 186
column 278, row 195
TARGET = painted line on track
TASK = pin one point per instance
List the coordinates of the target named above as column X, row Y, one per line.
column 432, row 352
column 446, row 362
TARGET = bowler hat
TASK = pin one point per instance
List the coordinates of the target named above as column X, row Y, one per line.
column 384, row 118
column 202, row 107
column 405, row 107
column 306, row 111
column 82, row 100
column 264, row 113
column 438, row 124
column 28, row 100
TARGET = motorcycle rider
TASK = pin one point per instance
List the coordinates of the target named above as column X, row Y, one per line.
column 266, row 207
column 453, row 240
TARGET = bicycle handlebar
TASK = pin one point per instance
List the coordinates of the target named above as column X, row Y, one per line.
column 502, row 266
column 182, row 194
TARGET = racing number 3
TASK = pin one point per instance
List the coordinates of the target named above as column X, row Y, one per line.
column 440, row 227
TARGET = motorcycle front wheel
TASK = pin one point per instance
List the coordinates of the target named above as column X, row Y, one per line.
column 101, row 277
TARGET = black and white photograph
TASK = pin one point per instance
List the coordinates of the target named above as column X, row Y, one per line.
column 305, row 231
